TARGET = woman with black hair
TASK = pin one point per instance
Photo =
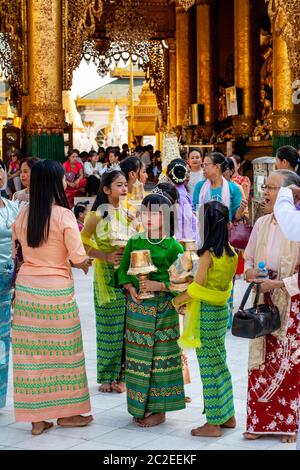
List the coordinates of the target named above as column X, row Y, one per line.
column 287, row 158
column 49, row 367
column 74, row 176
column 215, row 187
column 154, row 378
column 106, row 222
column 130, row 166
column 93, row 170
column 26, row 165
column 186, row 220
column 206, row 321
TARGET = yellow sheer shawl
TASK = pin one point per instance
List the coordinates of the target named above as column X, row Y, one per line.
column 190, row 337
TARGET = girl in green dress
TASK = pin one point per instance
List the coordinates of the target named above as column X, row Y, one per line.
column 107, row 219
column 207, row 316
column 154, row 378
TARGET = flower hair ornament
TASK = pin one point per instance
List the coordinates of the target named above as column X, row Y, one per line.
column 159, row 192
column 175, row 178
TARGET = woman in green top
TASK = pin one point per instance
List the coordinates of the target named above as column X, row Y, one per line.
column 106, row 219
column 154, row 378
column 206, row 322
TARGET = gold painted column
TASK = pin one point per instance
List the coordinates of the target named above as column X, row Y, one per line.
column 286, row 117
column 205, row 65
column 45, row 123
column 246, row 47
column 182, row 65
column 172, row 82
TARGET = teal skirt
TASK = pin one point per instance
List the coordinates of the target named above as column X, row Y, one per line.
column 6, row 277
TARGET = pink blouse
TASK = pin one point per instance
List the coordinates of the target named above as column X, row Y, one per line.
column 272, row 255
column 63, row 244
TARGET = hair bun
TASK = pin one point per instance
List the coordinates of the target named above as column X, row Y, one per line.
column 178, row 173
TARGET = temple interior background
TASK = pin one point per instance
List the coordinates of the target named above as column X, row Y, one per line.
column 215, row 72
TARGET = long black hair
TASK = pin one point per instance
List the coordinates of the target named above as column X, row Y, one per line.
column 290, row 154
column 46, row 187
column 162, row 202
column 130, row 164
column 215, row 220
column 102, row 198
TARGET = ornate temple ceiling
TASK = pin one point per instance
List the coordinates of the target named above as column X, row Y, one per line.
column 160, row 12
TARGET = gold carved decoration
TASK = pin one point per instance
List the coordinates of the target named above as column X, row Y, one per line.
column 286, row 122
column 285, row 15
column 157, row 76
column 13, row 47
column 79, row 22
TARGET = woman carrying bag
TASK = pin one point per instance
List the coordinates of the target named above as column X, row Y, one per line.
column 274, row 366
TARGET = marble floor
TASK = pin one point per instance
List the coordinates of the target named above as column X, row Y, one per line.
column 113, row 429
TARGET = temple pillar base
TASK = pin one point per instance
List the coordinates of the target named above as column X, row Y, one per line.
column 287, row 139
column 46, row 146
column 286, row 129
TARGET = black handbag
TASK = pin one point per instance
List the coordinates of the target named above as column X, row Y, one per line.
column 259, row 320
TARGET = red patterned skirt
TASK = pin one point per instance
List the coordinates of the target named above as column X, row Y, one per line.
column 274, row 389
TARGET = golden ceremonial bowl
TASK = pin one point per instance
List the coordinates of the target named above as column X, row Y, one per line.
column 141, row 263
column 182, row 287
column 189, row 245
column 120, row 243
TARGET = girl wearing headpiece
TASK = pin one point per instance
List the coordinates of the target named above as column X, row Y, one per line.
column 177, row 172
column 207, row 316
column 107, row 221
column 154, row 377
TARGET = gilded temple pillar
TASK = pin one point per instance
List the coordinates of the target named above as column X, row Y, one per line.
column 182, row 66
column 45, row 122
column 205, row 64
column 172, row 81
column 286, row 106
column 246, row 47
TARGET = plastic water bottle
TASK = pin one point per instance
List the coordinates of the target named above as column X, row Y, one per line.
column 262, row 271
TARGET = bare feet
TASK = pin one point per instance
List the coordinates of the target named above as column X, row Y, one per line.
column 251, row 437
column 188, row 400
column 75, row 421
column 152, row 420
column 40, row 427
column 288, row 439
column 105, row 388
column 230, row 423
column 207, row 430
column 118, row 387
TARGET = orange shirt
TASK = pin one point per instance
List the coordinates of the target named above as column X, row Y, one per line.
column 63, row 244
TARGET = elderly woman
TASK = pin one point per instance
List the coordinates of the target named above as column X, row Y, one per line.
column 274, row 366
column 8, row 213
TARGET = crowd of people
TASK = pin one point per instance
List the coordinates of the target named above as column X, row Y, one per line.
column 140, row 343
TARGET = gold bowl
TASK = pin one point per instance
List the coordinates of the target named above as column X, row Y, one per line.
column 141, row 263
